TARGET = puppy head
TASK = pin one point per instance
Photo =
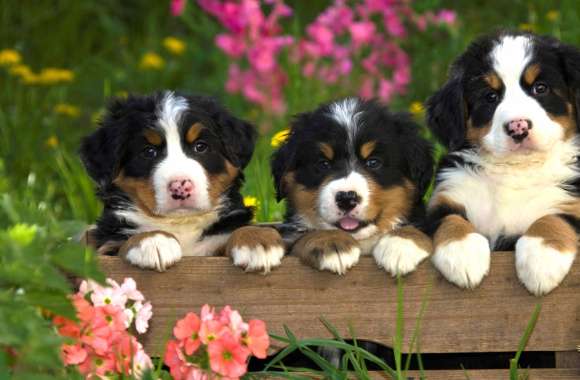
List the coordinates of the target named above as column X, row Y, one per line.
column 509, row 93
column 352, row 165
column 170, row 154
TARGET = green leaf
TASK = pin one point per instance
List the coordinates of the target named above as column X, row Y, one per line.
column 57, row 303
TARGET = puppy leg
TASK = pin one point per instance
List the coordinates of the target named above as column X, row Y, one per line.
column 461, row 254
column 545, row 253
column 255, row 248
column 332, row 250
column 152, row 250
column 401, row 251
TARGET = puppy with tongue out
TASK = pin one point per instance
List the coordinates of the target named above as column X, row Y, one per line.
column 353, row 175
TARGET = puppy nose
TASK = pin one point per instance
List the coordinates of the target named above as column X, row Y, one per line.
column 347, row 200
column 181, row 188
column 518, row 129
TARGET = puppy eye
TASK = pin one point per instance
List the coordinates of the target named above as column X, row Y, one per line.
column 539, row 88
column 373, row 163
column 323, row 165
column 200, row 147
column 149, row 152
column 491, row 97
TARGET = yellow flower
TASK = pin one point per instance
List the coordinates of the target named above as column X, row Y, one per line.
column 20, row 71
column 528, row 27
column 416, row 108
column 152, row 60
column 52, row 75
column 279, row 138
column 174, row 45
column 250, row 201
column 9, row 57
column 553, row 15
column 52, row 142
column 66, row 109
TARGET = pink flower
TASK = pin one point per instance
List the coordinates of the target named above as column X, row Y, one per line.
column 362, row 32
column 144, row 314
column 211, row 331
column 233, row 319
column 446, row 16
column 232, row 46
column 228, row 357
column 187, row 331
column 257, row 339
column 113, row 295
column 129, row 288
column 73, row 354
column 177, row 7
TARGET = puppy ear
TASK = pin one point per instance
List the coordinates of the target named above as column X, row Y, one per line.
column 570, row 56
column 101, row 151
column 446, row 114
column 418, row 157
column 282, row 161
column 238, row 136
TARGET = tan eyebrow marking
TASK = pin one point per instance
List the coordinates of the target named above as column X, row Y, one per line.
column 193, row 132
column 367, row 148
column 327, row 150
column 152, row 137
column 493, row 80
column 531, row 73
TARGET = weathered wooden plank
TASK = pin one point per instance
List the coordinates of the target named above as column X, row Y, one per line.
column 492, row 374
column 489, row 318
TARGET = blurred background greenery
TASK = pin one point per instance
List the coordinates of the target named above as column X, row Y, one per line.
column 76, row 54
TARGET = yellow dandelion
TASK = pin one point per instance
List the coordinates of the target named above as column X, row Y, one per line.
column 151, row 61
column 9, row 57
column 52, row 142
column 53, row 75
column 417, row 108
column 279, row 138
column 66, row 109
column 174, row 45
column 527, row 27
column 250, row 201
column 553, row 15
column 20, row 71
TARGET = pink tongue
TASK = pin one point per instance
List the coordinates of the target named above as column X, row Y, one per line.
column 348, row 223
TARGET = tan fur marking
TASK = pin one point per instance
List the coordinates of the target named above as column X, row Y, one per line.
column 566, row 121
column 493, row 80
column 439, row 200
column 474, row 134
column 303, row 200
column 313, row 246
column 420, row 239
column 153, row 137
column 219, row 183
column 389, row 206
column 111, row 246
column 367, row 148
column 254, row 236
column 555, row 232
column 193, row 132
column 135, row 240
column 141, row 191
column 531, row 73
column 327, row 150
column 452, row 228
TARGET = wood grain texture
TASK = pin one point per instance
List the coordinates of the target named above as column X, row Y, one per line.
column 492, row 374
column 489, row 318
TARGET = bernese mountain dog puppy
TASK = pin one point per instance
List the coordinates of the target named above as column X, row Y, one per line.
column 509, row 116
column 354, row 175
column 168, row 169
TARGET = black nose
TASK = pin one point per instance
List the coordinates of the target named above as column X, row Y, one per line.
column 347, row 200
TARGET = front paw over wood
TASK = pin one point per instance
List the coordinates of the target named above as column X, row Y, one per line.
column 152, row 250
column 256, row 249
column 334, row 251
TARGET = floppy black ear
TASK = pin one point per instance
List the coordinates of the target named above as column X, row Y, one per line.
column 418, row 157
column 446, row 114
column 571, row 60
column 282, row 161
column 238, row 136
column 101, row 151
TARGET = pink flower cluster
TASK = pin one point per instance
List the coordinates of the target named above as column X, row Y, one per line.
column 99, row 343
column 214, row 343
column 253, row 41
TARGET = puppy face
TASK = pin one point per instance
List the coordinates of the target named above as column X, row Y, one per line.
column 509, row 94
column 351, row 165
column 170, row 154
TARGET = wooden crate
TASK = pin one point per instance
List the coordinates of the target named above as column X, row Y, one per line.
column 491, row 318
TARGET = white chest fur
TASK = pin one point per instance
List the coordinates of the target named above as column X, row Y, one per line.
column 504, row 197
column 187, row 230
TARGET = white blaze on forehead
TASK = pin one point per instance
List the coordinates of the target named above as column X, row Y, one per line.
column 344, row 112
column 177, row 164
column 510, row 57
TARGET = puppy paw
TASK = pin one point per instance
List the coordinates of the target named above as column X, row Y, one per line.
column 154, row 250
column 255, row 248
column 540, row 267
column 334, row 251
column 398, row 255
column 464, row 262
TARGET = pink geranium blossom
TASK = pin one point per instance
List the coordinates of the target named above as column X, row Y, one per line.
column 228, row 357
